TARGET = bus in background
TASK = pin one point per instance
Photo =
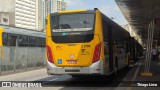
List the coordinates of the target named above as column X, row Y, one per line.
column 21, row 49
column 85, row 42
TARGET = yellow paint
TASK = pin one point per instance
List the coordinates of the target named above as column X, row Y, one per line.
column 66, row 50
column 99, row 31
column 146, row 74
column 71, row 11
column 1, row 46
column 1, row 31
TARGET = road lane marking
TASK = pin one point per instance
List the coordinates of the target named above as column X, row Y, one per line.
column 135, row 75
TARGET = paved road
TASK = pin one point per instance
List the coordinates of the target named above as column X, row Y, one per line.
column 67, row 82
column 25, row 76
column 85, row 81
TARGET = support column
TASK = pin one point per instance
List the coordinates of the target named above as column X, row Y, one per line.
column 149, row 43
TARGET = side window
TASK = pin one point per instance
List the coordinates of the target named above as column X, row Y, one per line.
column 105, row 31
column 39, row 42
column 120, row 46
column 5, row 39
column 127, row 46
column 12, row 40
column 23, row 41
column 105, row 37
column 43, row 42
column 32, row 41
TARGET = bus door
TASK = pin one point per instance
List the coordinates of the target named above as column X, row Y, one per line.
column 13, row 45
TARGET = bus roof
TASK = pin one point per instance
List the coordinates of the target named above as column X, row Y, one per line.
column 72, row 11
column 22, row 31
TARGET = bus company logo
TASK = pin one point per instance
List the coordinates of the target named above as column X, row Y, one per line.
column 82, row 50
column 71, row 56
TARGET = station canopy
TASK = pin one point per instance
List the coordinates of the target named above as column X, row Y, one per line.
column 139, row 14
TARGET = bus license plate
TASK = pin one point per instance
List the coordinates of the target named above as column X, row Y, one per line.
column 72, row 61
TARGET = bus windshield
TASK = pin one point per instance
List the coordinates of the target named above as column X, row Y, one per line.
column 72, row 22
column 72, row 28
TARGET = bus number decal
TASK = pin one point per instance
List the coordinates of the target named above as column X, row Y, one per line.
column 85, row 46
column 84, row 49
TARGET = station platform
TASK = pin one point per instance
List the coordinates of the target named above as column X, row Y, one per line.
column 155, row 70
column 135, row 78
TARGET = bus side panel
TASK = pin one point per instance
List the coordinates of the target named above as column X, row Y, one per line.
column 1, row 49
column 98, row 31
column 1, row 30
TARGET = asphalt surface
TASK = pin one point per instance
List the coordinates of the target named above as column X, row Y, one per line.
column 65, row 82
column 25, row 76
column 85, row 81
column 122, row 81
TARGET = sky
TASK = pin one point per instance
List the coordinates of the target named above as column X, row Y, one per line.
column 108, row 7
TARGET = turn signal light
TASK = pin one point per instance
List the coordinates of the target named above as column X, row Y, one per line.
column 97, row 52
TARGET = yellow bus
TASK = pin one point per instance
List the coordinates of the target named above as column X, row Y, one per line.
column 21, row 49
column 85, row 42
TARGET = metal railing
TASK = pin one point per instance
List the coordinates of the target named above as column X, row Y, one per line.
column 17, row 62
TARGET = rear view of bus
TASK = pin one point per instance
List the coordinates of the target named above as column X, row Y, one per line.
column 74, row 43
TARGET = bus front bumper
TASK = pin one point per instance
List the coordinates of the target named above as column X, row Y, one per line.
column 96, row 68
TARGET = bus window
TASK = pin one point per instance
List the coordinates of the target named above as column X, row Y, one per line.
column 120, row 47
column 72, row 28
column 12, row 40
column 23, row 41
column 5, row 39
column 105, row 31
column 39, row 42
column 32, row 41
column 43, row 42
